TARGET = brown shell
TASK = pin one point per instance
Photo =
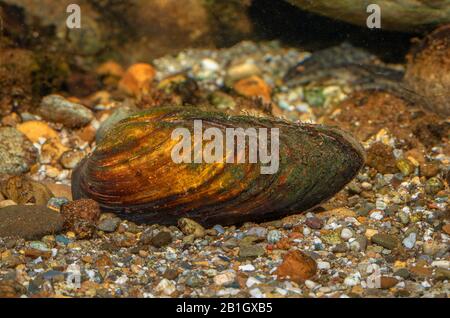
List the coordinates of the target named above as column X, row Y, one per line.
column 132, row 173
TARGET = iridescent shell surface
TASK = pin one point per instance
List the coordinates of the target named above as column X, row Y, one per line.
column 131, row 172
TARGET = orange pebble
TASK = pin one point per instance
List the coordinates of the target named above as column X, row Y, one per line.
column 137, row 79
column 253, row 86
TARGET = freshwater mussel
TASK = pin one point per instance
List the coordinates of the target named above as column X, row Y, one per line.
column 132, row 171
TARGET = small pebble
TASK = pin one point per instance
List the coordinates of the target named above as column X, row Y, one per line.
column 247, row 268
column 225, row 278
column 385, row 240
column 410, row 240
column 346, row 234
column 273, row 236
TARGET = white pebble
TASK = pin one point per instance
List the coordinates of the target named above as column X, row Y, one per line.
column 323, row 265
column 352, row 280
column 121, row 280
column 251, row 281
column 325, row 289
column 224, row 278
column 256, row 293
column 377, row 215
column 410, row 240
column 306, row 231
column 228, row 291
column 281, row 291
column 355, row 246
column 406, row 209
column 441, row 264
column 247, row 268
column 166, row 286
column 346, row 234
column 425, row 284
column 310, row 284
column 381, row 205
column 210, row 65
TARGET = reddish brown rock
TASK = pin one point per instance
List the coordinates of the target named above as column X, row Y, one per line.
column 314, row 223
column 388, row 282
column 429, row 169
column 297, row 266
column 35, row 253
column 80, row 216
column 422, row 272
column 381, row 158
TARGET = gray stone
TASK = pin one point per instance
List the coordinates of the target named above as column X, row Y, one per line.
column 56, row 108
column 108, row 224
column 250, row 251
column 365, row 209
column 30, row 222
column 195, row 280
column 402, row 272
column 17, row 152
column 57, row 202
column 258, row 231
column 340, row 248
column 161, row 239
column 362, row 240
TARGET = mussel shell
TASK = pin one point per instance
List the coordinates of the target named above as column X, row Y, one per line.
column 131, row 171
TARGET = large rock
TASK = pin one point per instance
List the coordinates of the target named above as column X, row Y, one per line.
column 23, row 190
column 17, row 153
column 139, row 30
column 57, row 109
column 30, row 222
column 428, row 70
column 399, row 15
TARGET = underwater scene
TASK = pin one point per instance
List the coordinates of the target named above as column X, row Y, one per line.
column 259, row 149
